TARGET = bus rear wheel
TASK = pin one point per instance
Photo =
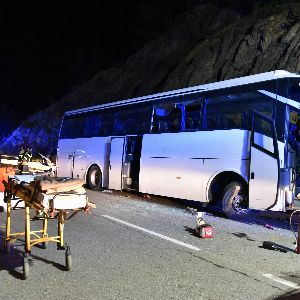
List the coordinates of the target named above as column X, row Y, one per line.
column 234, row 202
column 94, row 178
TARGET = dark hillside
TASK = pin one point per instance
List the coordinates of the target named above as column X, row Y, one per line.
column 206, row 43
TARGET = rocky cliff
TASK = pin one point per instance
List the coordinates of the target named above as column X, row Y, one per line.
column 209, row 42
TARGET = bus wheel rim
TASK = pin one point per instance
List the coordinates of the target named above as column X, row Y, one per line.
column 94, row 177
column 238, row 204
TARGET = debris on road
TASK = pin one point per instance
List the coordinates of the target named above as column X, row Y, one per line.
column 41, row 164
column 269, row 226
column 192, row 210
column 203, row 230
column 276, row 247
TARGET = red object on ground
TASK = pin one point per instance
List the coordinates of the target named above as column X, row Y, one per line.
column 4, row 173
column 206, row 231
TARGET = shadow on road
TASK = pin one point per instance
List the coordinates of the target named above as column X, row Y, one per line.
column 191, row 231
column 243, row 235
column 13, row 262
column 293, row 295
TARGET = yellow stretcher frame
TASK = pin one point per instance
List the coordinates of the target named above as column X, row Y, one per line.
column 13, row 189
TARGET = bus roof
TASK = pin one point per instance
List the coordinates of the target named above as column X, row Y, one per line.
column 195, row 89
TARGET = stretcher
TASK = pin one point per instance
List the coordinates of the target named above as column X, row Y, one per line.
column 55, row 205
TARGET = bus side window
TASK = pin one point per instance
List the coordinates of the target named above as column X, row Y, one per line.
column 159, row 123
column 232, row 111
column 92, row 125
column 72, row 127
column 175, row 119
column 211, row 115
column 212, row 122
column 107, row 125
column 263, row 129
column 167, row 118
column 133, row 120
column 192, row 116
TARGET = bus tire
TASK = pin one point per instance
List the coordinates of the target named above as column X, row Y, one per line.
column 94, row 178
column 233, row 201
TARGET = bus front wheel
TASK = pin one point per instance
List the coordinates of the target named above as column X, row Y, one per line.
column 94, row 178
column 234, row 202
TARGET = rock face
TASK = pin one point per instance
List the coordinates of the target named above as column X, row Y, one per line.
column 208, row 43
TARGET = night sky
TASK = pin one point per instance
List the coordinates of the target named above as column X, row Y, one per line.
column 50, row 47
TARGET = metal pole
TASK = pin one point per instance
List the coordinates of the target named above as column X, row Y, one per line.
column 61, row 229
column 45, row 226
column 27, row 228
column 8, row 216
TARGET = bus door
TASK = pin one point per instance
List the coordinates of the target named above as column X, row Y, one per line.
column 66, row 164
column 131, row 164
column 264, row 163
column 116, row 163
column 79, row 163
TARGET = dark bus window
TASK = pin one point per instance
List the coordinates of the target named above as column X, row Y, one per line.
column 167, row 118
column 235, row 110
column 280, row 119
column 192, row 116
column 132, row 120
column 121, row 123
column 294, row 89
column 107, row 123
column 93, row 123
column 175, row 119
column 262, row 127
column 142, row 116
column 72, row 127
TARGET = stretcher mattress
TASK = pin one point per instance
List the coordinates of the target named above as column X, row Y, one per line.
column 67, row 201
column 51, row 193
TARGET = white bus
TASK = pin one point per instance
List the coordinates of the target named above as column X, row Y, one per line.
column 232, row 143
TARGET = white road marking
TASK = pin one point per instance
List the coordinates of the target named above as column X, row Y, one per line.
column 153, row 233
column 282, row 281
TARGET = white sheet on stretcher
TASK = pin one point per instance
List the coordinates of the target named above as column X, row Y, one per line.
column 24, row 178
column 65, row 201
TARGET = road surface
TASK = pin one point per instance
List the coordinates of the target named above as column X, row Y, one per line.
column 131, row 247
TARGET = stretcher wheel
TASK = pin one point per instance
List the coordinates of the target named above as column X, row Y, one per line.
column 25, row 267
column 44, row 245
column 68, row 262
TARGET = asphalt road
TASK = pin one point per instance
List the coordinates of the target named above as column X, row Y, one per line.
column 135, row 248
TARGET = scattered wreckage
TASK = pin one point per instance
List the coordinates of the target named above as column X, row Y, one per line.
column 43, row 164
column 9, row 167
